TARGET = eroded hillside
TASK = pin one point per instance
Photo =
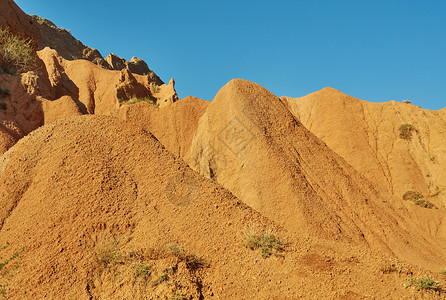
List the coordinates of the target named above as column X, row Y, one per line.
column 111, row 187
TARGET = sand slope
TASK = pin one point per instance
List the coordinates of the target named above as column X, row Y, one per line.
column 367, row 136
column 250, row 143
column 75, row 185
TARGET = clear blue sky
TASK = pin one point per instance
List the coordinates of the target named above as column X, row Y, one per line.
column 373, row 50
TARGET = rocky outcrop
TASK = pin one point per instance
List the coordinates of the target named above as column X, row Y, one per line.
column 128, row 87
column 65, row 44
column 70, row 48
column 166, row 94
column 12, row 17
column 135, row 65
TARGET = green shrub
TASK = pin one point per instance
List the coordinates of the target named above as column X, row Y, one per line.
column 412, row 195
column 406, row 131
column 424, row 283
column 178, row 296
column 162, row 278
column 108, row 253
column 443, row 272
column 142, row 270
column 15, row 51
column 418, row 199
column 8, row 267
column 266, row 242
column 424, row 203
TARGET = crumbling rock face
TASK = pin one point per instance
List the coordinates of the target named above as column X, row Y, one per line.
column 115, row 62
column 12, row 17
column 65, row 44
column 166, row 94
column 100, row 90
column 128, row 87
column 69, row 48
column 135, row 65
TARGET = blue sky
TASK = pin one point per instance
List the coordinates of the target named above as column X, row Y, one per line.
column 374, row 50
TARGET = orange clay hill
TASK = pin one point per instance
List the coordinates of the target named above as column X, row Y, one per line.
column 113, row 188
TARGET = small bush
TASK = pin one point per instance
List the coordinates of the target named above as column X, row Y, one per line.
column 443, row 272
column 108, row 254
column 406, row 131
column 412, row 196
column 16, row 51
column 424, row 203
column 8, row 267
column 162, row 278
column 266, row 242
column 424, row 283
column 418, row 199
column 192, row 261
column 142, row 270
column 178, row 296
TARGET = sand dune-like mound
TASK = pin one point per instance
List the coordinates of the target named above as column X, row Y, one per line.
column 367, row 136
column 92, row 203
column 248, row 141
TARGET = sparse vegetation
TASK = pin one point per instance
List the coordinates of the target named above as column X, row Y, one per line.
column 138, row 100
column 142, row 270
column 16, row 51
column 412, row 196
column 406, row 131
column 268, row 243
column 424, row 283
column 162, row 278
column 443, row 272
column 8, row 267
column 108, row 253
column 424, row 203
column 192, row 261
column 178, row 296
column 418, row 199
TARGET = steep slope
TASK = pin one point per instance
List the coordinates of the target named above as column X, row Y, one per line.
column 12, row 17
column 92, row 200
column 366, row 135
column 249, row 142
